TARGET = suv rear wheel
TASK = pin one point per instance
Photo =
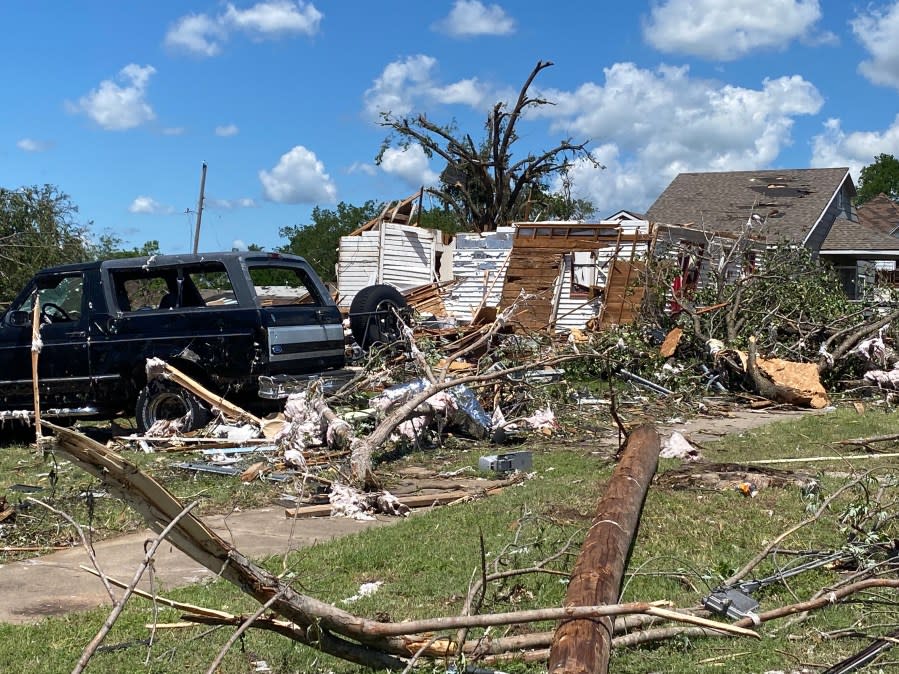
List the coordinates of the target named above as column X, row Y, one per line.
column 161, row 399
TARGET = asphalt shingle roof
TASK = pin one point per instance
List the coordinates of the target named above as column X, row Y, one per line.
column 876, row 219
column 846, row 235
column 881, row 212
column 789, row 201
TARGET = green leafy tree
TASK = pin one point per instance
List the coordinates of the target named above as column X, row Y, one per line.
column 37, row 229
column 318, row 240
column 482, row 182
column 881, row 177
column 109, row 247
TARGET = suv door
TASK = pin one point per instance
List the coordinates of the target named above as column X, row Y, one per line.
column 183, row 312
column 63, row 362
column 303, row 326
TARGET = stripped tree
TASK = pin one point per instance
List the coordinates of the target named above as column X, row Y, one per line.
column 482, row 182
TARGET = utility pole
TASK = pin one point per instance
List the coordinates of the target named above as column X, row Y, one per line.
column 200, row 209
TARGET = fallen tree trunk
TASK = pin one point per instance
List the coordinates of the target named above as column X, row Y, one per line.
column 581, row 646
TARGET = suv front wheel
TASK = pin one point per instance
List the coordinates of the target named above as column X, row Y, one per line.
column 161, row 399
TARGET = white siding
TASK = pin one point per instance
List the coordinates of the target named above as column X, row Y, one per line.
column 572, row 312
column 479, row 267
column 357, row 265
column 400, row 255
column 407, row 256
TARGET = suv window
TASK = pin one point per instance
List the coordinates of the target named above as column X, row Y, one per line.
column 190, row 287
column 279, row 286
column 60, row 299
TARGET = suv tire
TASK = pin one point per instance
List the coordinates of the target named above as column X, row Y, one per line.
column 372, row 318
column 161, row 399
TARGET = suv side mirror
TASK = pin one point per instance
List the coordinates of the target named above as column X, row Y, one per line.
column 19, row 319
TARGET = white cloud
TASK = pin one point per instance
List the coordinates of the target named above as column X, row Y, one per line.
column 621, row 184
column 729, row 29
column 409, row 82
column 470, row 18
column 275, row 17
column 230, row 204
column 118, row 107
column 149, row 205
column 227, row 130
column 464, row 92
column 198, row 34
column 399, row 84
column 878, row 31
column 652, row 125
column 203, row 35
column 410, row 164
column 362, row 167
column 835, row 147
column 173, row 131
column 298, row 178
column 32, row 145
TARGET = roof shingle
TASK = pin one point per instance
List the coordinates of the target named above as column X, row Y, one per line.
column 789, row 202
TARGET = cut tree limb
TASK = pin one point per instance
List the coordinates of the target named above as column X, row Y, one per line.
column 585, row 645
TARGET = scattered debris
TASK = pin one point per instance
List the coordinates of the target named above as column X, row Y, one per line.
column 365, row 590
column 676, row 446
column 507, row 463
column 728, row 476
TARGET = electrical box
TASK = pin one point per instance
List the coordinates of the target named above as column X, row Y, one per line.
column 506, row 463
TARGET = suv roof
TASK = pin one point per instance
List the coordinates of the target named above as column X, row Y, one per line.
column 166, row 260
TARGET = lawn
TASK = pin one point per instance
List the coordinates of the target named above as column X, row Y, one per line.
column 691, row 537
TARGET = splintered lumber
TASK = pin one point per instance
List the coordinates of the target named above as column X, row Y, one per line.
column 584, row 646
column 35, row 355
column 158, row 367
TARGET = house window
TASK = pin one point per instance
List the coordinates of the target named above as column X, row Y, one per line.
column 849, row 281
column 583, row 273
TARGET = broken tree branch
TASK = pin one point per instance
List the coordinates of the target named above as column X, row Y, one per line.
column 119, row 605
column 814, row 517
column 244, row 626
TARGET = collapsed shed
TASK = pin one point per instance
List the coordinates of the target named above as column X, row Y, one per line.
column 391, row 249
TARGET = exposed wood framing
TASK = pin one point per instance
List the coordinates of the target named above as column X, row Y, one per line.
column 536, row 262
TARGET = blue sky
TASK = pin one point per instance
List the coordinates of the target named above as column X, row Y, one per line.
column 119, row 103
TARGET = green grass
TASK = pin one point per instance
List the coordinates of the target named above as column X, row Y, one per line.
column 688, row 541
column 55, row 481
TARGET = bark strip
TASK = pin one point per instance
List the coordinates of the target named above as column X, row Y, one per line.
column 583, row 646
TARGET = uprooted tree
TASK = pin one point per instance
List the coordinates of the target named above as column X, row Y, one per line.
column 482, row 182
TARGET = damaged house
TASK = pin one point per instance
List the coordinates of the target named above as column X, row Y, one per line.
column 808, row 207
column 561, row 274
column 865, row 252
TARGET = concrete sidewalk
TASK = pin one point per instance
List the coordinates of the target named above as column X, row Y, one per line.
column 54, row 584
